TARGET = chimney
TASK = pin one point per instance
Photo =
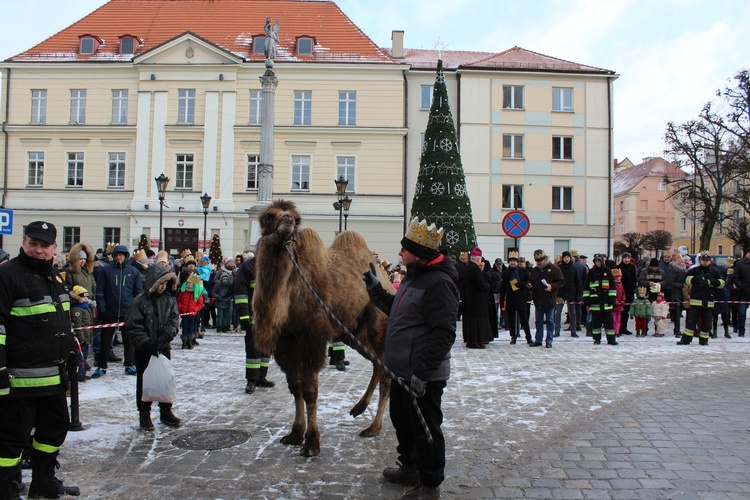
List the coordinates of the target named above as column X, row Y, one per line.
column 397, row 45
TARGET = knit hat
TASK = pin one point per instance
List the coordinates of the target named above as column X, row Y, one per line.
column 567, row 254
column 422, row 240
column 476, row 252
column 4, row 255
column 539, row 254
column 82, row 254
column 654, row 262
column 626, row 254
column 228, row 260
column 79, row 291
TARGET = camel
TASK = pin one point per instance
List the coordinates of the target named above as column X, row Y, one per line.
column 294, row 327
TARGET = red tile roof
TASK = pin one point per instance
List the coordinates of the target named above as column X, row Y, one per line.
column 625, row 179
column 229, row 24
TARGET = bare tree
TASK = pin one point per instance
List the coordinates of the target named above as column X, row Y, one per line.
column 656, row 240
column 630, row 242
column 712, row 149
column 738, row 230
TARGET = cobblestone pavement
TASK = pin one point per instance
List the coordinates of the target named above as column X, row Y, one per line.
column 645, row 419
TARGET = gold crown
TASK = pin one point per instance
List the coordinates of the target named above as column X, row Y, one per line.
column 729, row 261
column 427, row 236
column 186, row 252
column 194, row 279
column 705, row 253
column 512, row 255
column 574, row 253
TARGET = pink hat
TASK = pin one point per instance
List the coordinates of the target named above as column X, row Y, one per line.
column 477, row 252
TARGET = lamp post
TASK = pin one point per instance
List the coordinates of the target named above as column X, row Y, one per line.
column 341, row 184
column 206, row 201
column 161, row 186
column 346, row 202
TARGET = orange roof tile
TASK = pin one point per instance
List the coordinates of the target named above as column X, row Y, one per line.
column 625, row 179
column 229, row 24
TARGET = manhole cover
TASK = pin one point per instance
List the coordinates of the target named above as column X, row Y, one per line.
column 211, row 440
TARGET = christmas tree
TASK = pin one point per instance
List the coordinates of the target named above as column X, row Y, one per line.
column 214, row 252
column 440, row 196
column 143, row 243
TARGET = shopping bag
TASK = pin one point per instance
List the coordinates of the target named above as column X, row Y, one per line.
column 158, row 380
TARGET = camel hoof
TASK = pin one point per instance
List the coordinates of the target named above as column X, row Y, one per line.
column 310, row 451
column 357, row 409
column 371, row 431
column 292, row 438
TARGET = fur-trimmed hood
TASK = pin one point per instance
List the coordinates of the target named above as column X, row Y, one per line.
column 155, row 275
column 73, row 258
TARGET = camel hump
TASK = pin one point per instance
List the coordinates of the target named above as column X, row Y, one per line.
column 348, row 241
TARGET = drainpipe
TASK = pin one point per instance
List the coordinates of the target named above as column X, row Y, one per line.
column 404, row 175
column 610, row 167
column 5, row 152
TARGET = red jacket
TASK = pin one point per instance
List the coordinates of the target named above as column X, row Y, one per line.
column 187, row 304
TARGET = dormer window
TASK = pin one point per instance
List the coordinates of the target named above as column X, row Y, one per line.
column 259, row 45
column 305, row 46
column 89, row 44
column 127, row 45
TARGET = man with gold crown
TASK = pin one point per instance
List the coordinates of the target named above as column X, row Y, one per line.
column 421, row 332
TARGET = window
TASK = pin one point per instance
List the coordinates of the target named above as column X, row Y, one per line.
column 736, row 216
column 622, row 206
column 302, row 107
column 186, row 106
column 256, row 107
column 111, row 235
column 426, row 97
column 512, row 97
column 38, row 106
column 562, row 198
column 87, row 45
column 562, row 99
column 78, row 106
column 120, row 106
column 127, row 45
column 512, row 196
column 562, row 148
column 345, row 167
column 259, row 45
column 36, row 169
column 683, row 224
column 75, row 170
column 720, row 249
column 622, row 227
column 253, row 162
column 184, row 171
column 116, row 178
column 71, row 236
column 300, row 173
column 660, row 186
column 512, row 146
column 347, row 108
column 305, row 46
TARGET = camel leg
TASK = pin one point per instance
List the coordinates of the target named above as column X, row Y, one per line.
column 384, row 394
column 311, row 448
column 295, row 437
column 364, row 401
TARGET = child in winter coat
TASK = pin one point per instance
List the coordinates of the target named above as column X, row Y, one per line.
column 190, row 303
column 660, row 311
column 641, row 310
column 619, row 300
column 222, row 293
column 82, row 317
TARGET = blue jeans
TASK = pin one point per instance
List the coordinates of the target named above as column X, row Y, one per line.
column 545, row 316
column 741, row 318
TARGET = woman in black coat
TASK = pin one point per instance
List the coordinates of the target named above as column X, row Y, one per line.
column 476, row 323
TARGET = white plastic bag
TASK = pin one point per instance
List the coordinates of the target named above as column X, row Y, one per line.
column 158, row 380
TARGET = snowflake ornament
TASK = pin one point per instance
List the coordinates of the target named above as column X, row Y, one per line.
column 438, row 188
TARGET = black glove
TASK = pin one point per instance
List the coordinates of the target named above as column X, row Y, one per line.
column 371, row 278
column 151, row 348
column 418, row 386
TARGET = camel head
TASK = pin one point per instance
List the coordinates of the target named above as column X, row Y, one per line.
column 280, row 220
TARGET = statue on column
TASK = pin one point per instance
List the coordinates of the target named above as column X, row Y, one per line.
column 272, row 38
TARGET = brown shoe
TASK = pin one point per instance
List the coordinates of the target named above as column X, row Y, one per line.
column 401, row 475
column 422, row 492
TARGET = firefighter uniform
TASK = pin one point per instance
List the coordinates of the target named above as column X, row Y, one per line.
column 704, row 281
column 599, row 294
column 36, row 339
column 256, row 363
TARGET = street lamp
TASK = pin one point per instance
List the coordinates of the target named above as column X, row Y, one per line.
column 341, row 184
column 206, row 201
column 161, row 186
column 346, row 202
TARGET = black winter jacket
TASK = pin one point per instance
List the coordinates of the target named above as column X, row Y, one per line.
column 36, row 336
column 704, row 283
column 422, row 323
column 116, row 287
column 153, row 319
